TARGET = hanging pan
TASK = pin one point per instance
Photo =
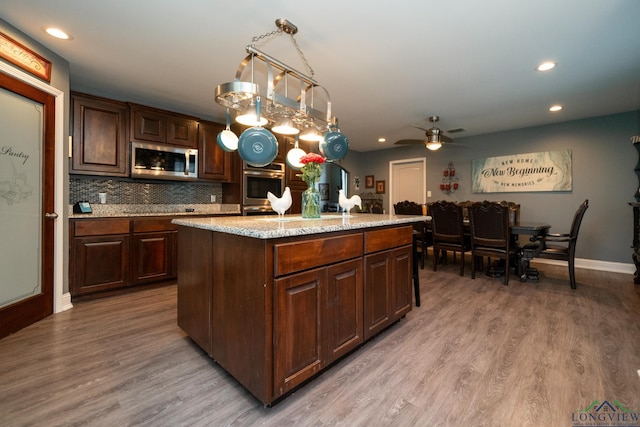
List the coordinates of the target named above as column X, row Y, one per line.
column 256, row 145
column 334, row 144
column 227, row 140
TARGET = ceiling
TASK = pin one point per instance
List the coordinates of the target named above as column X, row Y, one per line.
column 386, row 68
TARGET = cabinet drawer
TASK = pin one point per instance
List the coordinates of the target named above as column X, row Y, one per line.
column 98, row 227
column 298, row 256
column 378, row 240
column 145, row 225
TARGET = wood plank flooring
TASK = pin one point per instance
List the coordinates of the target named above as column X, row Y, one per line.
column 476, row 353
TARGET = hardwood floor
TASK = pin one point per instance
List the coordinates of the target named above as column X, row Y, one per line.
column 475, row 353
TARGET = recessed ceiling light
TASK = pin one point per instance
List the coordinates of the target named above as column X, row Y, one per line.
column 546, row 66
column 382, row 139
column 555, row 108
column 57, row 33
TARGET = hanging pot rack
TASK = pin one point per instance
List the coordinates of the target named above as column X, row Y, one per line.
column 239, row 94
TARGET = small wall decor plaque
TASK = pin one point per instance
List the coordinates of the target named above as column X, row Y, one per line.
column 25, row 58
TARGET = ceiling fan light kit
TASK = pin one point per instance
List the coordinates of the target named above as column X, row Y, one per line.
column 289, row 115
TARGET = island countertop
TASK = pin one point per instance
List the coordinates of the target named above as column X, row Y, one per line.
column 270, row 227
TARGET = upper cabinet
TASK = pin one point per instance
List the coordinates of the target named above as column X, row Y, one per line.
column 214, row 162
column 151, row 124
column 100, row 136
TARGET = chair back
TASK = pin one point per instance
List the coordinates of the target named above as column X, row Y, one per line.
column 447, row 221
column 577, row 220
column 407, row 208
column 489, row 224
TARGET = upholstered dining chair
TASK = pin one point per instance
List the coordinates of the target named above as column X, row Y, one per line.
column 490, row 234
column 423, row 236
column 562, row 247
column 447, row 227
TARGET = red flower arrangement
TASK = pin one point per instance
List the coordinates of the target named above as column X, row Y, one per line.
column 311, row 169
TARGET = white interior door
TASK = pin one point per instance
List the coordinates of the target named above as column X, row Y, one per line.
column 408, row 181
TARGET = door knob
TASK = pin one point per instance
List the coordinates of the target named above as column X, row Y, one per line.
column 51, row 215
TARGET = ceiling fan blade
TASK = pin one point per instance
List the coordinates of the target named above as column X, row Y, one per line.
column 419, row 127
column 445, row 138
column 409, row 141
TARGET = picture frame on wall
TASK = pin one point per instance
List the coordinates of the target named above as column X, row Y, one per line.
column 380, row 187
column 324, row 191
column 23, row 57
column 368, row 181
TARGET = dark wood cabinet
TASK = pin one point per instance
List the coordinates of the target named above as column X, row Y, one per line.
column 155, row 125
column 318, row 319
column 100, row 136
column 113, row 253
column 99, row 255
column 153, row 250
column 387, row 282
column 281, row 310
column 299, row 325
column 214, row 162
column 344, row 308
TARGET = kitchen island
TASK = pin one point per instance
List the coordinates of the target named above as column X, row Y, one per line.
column 274, row 302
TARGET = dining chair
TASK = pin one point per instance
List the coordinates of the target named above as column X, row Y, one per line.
column 490, row 235
column 423, row 236
column 447, row 226
column 562, row 247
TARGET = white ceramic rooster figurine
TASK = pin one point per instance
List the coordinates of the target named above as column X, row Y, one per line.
column 349, row 203
column 280, row 205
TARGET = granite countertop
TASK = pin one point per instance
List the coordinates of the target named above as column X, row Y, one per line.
column 270, row 227
column 112, row 211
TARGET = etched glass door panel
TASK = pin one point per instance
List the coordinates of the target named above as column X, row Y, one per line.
column 27, row 217
column 21, row 121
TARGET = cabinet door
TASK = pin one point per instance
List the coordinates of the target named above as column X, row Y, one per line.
column 100, row 263
column 100, row 137
column 215, row 163
column 401, row 296
column 298, row 344
column 182, row 131
column 153, row 257
column 149, row 125
column 377, row 293
column 344, row 325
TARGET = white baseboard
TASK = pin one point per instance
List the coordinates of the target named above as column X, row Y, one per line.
column 65, row 303
column 589, row 264
column 592, row 264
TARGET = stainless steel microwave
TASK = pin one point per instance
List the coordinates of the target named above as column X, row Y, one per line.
column 155, row 161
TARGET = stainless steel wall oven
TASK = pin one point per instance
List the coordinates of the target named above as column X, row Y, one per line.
column 256, row 182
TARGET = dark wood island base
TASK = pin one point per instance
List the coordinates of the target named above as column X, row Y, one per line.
column 274, row 312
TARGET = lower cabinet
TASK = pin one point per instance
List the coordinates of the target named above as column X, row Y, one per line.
column 387, row 296
column 318, row 318
column 154, row 244
column 112, row 253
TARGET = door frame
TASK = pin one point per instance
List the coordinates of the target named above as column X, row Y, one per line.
column 392, row 163
column 61, row 301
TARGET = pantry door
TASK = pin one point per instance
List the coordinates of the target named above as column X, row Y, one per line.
column 27, row 217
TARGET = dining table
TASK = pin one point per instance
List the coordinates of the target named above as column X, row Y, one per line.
column 534, row 230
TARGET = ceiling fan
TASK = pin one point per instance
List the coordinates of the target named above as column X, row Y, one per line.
column 434, row 136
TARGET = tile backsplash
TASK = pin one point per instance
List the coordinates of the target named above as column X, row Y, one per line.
column 131, row 192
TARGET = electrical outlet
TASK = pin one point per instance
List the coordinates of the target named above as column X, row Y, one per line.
column 428, row 193
column 213, row 198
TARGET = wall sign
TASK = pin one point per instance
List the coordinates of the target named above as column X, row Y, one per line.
column 545, row 171
column 24, row 58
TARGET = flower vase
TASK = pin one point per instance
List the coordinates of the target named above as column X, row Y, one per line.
column 311, row 202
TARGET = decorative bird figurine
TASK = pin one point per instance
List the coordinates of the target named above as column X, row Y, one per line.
column 280, row 205
column 349, row 203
